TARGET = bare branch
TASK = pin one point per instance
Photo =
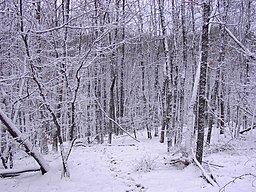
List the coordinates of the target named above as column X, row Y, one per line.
column 58, row 27
column 222, row 189
column 120, row 127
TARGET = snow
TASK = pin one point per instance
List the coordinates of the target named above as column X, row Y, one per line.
column 19, row 137
column 130, row 166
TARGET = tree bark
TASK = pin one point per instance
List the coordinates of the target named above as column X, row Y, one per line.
column 202, row 81
column 111, row 110
column 166, row 93
column 29, row 149
column 122, row 91
column 16, row 172
column 184, row 73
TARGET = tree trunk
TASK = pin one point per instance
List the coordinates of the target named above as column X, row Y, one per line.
column 122, row 96
column 184, row 73
column 29, row 148
column 248, row 13
column 202, row 81
column 111, row 110
column 221, row 61
column 166, row 93
column 211, row 110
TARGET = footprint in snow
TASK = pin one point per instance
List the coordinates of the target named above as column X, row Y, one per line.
column 124, row 177
column 136, row 188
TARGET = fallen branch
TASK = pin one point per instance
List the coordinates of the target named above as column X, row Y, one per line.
column 16, row 172
column 248, row 129
column 222, row 189
column 212, row 164
column 208, row 178
column 19, row 137
column 180, row 158
column 185, row 162
column 82, row 145
column 211, row 174
column 121, row 145
column 128, row 145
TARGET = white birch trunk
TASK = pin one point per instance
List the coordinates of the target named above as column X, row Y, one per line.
column 191, row 116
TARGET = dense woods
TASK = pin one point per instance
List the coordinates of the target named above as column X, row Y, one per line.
column 93, row 69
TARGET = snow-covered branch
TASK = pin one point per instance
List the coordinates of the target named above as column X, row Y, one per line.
column 58, row 27
column 246, row 51
column 29, row 149
column 206, row 176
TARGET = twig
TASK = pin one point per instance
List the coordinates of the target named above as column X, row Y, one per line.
column 222, row 189
column 58, row 27
column 212, row 164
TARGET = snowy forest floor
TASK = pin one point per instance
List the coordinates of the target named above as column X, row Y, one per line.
column 126, row 166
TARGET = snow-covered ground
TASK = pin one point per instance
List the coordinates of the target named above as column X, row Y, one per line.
column 130, row 166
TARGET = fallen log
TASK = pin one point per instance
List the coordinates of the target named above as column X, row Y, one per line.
column 181, row 161
column 20, row 138
column 16, row 172
column 248, row 129
column 212, row 164
column 179, row 157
